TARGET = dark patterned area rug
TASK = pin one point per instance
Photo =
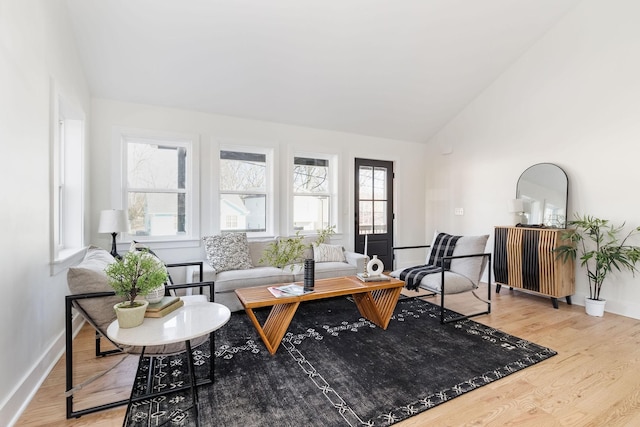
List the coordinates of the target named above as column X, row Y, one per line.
column 334, row 369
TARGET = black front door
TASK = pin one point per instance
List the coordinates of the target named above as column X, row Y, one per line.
column 374, row 209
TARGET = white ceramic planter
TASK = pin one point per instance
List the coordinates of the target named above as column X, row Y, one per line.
column 131, row 317
column 155, row 295
column 594, row 307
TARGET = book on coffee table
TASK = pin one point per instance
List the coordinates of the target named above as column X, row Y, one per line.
column 379, row 278
column 291, row 290
column 164, row 307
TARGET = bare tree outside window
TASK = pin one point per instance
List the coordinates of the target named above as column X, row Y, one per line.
column 311, row 194
column 156, row 187
column 243, row 191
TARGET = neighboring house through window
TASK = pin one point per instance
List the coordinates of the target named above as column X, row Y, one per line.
column 244, row 190
column 313, row 189
column 160, row 175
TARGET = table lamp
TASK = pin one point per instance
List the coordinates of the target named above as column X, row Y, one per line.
column 113, row 221
column 516, row 207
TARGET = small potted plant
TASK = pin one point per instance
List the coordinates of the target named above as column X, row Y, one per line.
column 602, row 247
column 134, row 275
column 289, row 250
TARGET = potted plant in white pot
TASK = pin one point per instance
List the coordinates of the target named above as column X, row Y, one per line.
column 134, row 275
column 602, row 247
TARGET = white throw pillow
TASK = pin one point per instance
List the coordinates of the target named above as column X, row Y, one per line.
column 328, row 253
column 228, row 251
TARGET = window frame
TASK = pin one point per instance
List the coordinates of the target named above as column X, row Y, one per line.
column 120, row 188
column 67, row 180
column 333, row 194
column 270, row 186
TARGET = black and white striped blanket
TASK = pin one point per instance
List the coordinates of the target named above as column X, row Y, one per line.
column 443, row 245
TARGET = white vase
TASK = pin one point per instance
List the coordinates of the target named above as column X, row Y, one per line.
column 131, row 317
column 155, row 295
column 375, row 262
column 594, row 307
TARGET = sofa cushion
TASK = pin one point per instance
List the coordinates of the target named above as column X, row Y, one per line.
column 256, row 250
column 228, row 251
column 464, row 272
column 326, row 270
column 467, row 245
column 470, row 267
column 227, row 281
column 89, row 277
column 328, row 253
column 308, row 241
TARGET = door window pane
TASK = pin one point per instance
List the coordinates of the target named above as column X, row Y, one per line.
column 380, row 184
column 366, row 183
column 365, row 225
column 373, row 200
column 380, row 216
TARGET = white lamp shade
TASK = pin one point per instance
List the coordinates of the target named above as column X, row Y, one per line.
column 516, row 205
column 113, row 221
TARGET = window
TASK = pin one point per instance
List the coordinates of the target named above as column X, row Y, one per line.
column 158, row 172
column 373, row 195
column 67, row 185
column 312, row 201
column 244, row 191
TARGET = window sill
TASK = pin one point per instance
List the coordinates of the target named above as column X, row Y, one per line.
column 66, row 258
column 159, row 243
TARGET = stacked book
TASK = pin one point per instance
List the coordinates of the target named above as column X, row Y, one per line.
column 164, row 307
column 373, row 278
column 284, row 291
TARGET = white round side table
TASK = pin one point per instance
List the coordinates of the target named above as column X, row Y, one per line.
column 184, row 324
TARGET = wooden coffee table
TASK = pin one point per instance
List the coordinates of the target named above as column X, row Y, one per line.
column 375, row 300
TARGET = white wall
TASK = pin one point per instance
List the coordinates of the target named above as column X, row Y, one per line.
column 216, row 129
column 35, row 45
column 573, row 100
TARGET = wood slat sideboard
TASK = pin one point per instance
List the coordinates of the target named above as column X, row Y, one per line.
column 524, row 259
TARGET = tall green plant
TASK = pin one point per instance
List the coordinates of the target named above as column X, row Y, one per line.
column 135, row 274
column 289, row 250
column 284, row 251
column 601, row 249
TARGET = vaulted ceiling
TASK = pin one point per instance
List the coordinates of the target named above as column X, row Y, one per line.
column 397, row 69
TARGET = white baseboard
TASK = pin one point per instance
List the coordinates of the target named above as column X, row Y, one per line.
column 12, row 408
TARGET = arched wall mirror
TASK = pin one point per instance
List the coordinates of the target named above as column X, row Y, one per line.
column 543, row 189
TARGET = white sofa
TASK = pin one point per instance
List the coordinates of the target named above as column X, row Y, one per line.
column 260, row 274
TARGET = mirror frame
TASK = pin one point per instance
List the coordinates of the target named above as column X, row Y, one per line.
column 562, row 188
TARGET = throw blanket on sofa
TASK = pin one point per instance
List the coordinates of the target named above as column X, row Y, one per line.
column 443, row 245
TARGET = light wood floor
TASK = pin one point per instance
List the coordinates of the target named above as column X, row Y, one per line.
column 593, row 381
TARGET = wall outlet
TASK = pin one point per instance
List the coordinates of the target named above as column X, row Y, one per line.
column 458, row 211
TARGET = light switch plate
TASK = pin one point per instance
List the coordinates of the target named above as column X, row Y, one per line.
column 458, row 211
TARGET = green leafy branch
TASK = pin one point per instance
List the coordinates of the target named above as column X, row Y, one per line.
column 289, row 250
column 601, row 249
column 137, row 273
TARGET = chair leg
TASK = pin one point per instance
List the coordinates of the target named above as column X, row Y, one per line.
column 69, row 368
column 458, row 318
